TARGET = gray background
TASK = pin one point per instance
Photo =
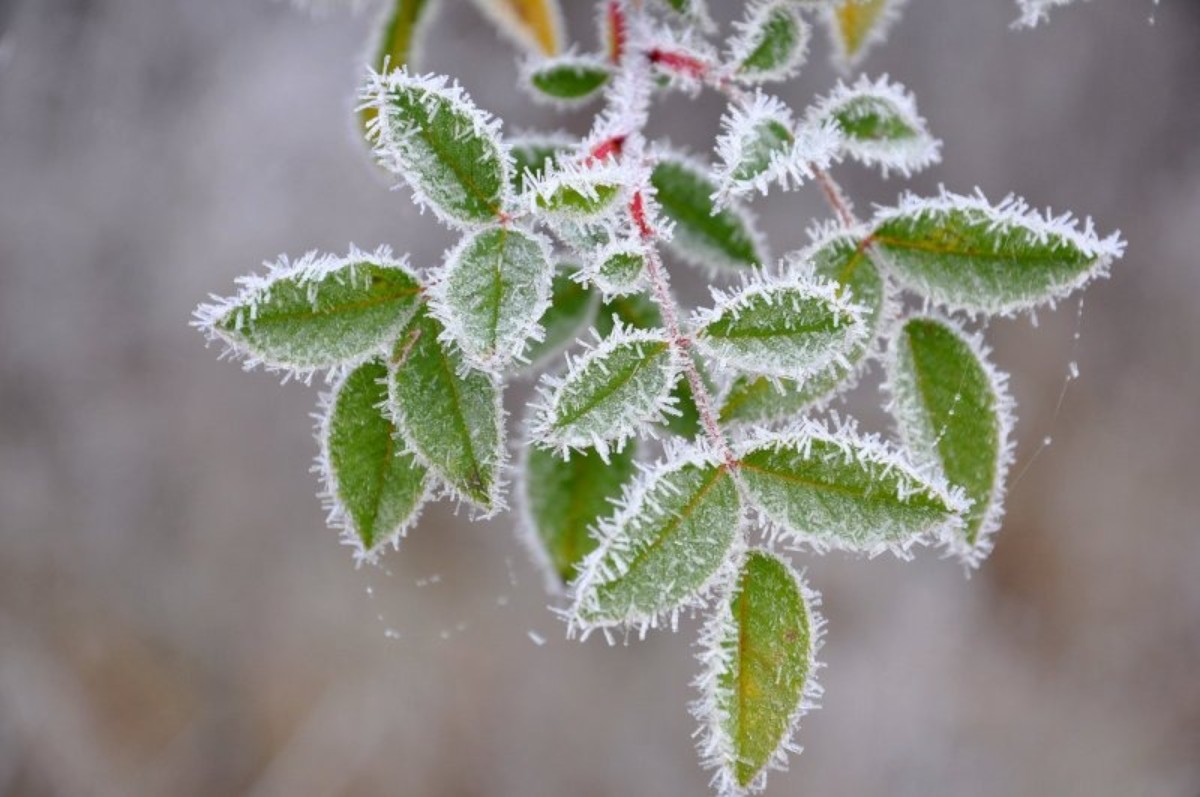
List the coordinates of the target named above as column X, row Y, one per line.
column 175, row 619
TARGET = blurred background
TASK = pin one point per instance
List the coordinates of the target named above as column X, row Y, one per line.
column 175, row 619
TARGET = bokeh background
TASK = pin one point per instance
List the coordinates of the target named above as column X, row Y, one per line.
column 175, row 619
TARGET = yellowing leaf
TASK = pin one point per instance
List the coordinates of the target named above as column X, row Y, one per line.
column 534, row 24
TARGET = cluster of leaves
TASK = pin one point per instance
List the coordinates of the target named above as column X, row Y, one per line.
column 561, row 238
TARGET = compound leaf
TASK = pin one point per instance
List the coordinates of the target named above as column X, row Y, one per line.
column 704, row 236
column 450, row 416
column 494, row 288
column 447, row 150
column 663, row 548
column 966, row 254
column 374, row 491
column 316, row 313
column 566, row 498
column 954, row 411
column 791, row 327
column 609, row 393
column 840, row 490
column 758, row 651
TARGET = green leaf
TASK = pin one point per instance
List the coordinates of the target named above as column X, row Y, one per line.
column 954, row 411
column 397, row 41
column 840, row 490
column 966, row 254
column 566, row 499
column 495, row 287
column 374, row 491
column 536, row 154
column 317, row 313
column 704, row 235
column 759, row 657
column 880, row 125
column 760, row 145
column 620, row 269
column 636, row 310
column 771, row 44
column 792, row 327
column 448, row 150
column 662, row 549
column 569, row 78
column 840, row 257
column 450, row 416
column 579, row 193
column 608, row 394
column 857, row 25
column 687, row 423
column 572, row 307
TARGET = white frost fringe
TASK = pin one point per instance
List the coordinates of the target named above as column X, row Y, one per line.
column 813, row 147
column 714, row 745
column 905, row 156
column 253, row 289
column 909, row 417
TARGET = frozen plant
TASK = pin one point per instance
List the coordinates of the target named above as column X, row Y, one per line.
column 564, row 238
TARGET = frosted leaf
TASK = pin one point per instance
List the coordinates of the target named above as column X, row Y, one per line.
column 880, row 125
column 840, row 256
column 319, row 312
column 838, row 489
column 450, row 417
column 955, row 412
column 790, row 327
column 760, row 145
column 491, row 293
column 609, row 394
column 535, row 25
column 693, row 11
column 535, row 153
column 447, row 150
column 564, row 499
column 373, row 491
column 965, row 253
column 674, row 533
column 704, row 235
column 400, row 32
column 855, row 26
column 758, row 653
column 770, row 44
column 574, row 192
column 619, row 268
column 572, row 308
column 567, row 80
